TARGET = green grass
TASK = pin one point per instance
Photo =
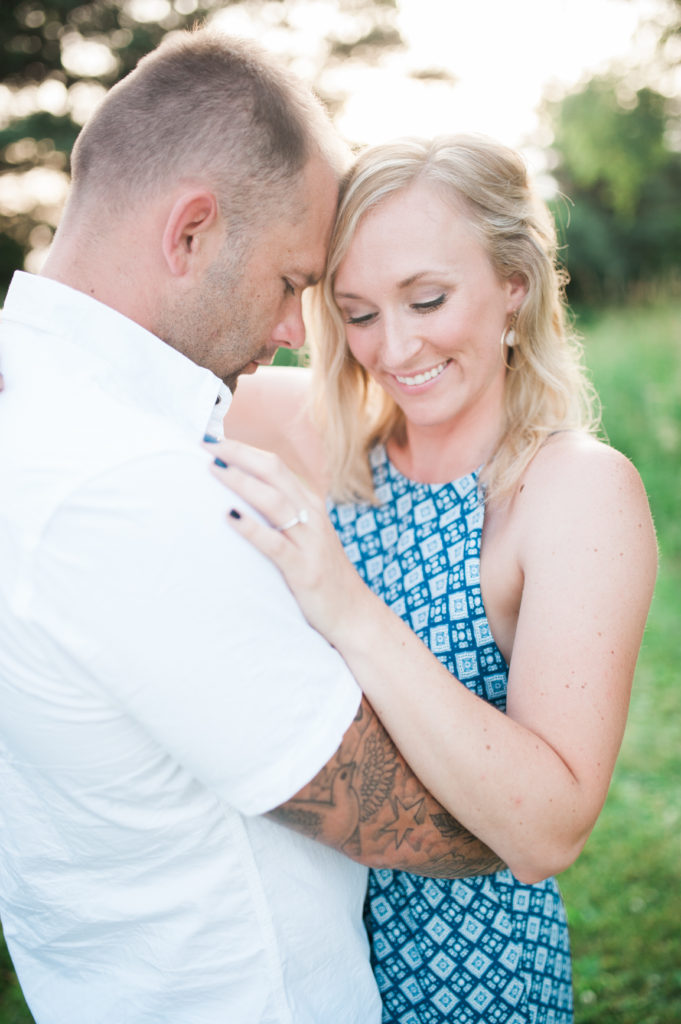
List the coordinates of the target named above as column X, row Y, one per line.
column 624, row 893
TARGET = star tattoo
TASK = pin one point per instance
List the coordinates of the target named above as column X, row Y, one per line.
column 405, row 818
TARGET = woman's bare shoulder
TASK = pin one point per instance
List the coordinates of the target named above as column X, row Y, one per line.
column 272, row 391
column 571, row 460
column 578, row 484
column 271, row 409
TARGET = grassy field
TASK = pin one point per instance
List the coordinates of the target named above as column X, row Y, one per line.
column 624, row 893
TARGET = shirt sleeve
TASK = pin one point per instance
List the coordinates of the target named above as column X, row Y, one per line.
column 143, row 585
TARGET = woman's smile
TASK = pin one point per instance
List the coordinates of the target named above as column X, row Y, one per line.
column 423, row 376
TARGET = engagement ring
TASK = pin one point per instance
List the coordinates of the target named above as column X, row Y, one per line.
column 300, row 518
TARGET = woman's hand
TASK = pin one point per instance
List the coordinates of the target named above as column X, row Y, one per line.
column 296, row 535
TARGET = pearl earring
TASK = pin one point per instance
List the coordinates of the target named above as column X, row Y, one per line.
column 508, row 334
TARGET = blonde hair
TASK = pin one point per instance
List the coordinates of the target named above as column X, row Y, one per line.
column 546, row 388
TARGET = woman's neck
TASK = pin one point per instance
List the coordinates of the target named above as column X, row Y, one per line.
column 438, row 454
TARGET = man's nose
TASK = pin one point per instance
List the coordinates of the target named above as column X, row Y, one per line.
column 290, row 330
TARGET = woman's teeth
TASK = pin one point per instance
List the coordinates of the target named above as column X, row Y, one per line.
column 421, row 378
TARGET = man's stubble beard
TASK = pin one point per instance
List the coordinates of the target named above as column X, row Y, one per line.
column 219, row 327
column 237, row 329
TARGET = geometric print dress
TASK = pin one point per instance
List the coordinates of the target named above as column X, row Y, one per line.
column 482, row 950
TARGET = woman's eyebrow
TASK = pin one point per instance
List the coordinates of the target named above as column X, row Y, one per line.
column 412, row 279
column 400, row 284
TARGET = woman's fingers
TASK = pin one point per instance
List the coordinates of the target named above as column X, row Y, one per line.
column 256, row 461
column 269, row 542
column 299, row 539
column 278, row 508
column 265, row 482
column 297, row 545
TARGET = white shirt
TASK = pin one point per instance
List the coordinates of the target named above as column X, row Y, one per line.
column 159, row 689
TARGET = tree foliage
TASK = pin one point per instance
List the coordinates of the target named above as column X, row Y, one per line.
column 620, row 179
column 669, row 33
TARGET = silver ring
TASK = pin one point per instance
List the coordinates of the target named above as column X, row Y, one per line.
column 302, row 517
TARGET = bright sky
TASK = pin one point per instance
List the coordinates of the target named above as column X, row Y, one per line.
column 501, row 57
column 502, row 54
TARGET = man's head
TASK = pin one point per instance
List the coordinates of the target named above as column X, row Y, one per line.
column 207, row 173
column 230, row 310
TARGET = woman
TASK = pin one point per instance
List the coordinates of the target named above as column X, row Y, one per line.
column 470, row 495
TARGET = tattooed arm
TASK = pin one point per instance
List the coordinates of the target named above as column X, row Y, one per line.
column 368, row 803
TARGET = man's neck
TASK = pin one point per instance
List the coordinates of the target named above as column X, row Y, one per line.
column 112, row 280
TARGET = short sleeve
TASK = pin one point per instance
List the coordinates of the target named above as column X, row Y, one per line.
column 187, row 629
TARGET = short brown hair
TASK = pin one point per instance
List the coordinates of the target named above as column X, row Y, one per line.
column 203, row 105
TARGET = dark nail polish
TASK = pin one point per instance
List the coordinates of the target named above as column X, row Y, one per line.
column 209, row 439
column 234, row 513
column 220, row 463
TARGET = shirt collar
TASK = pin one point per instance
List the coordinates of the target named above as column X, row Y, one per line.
column 124, row 357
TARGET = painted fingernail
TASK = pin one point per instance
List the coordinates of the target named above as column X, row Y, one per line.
column 220, row 463
column 209, row 439
column 234, row 513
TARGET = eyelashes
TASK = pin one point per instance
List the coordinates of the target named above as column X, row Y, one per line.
column 422, row 308
column 426, row 307
column 359, row 321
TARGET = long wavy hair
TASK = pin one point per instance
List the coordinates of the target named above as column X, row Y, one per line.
column 546, row 388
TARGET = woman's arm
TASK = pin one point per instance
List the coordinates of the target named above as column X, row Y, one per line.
column 530, row 783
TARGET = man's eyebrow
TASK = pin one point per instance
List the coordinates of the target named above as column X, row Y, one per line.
column 304, row 278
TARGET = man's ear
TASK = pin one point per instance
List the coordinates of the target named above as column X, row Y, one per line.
column 189, row 222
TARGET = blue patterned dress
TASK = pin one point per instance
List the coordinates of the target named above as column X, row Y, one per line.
column 482, row 950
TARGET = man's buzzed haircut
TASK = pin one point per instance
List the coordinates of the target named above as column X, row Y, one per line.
column 207, row 106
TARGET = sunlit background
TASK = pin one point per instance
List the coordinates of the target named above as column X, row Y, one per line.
column 497, row 60
column 590, row 91
column 433, row 66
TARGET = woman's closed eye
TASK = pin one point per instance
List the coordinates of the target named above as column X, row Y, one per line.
column 360, row 319
column 430, row 305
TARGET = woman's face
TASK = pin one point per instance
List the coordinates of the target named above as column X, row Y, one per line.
column 424, row 310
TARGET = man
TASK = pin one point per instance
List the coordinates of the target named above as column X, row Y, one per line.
column 160, row 690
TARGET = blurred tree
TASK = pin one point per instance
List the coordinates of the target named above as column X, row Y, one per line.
column 667, row 25
column 59, row 56
column 615, row 161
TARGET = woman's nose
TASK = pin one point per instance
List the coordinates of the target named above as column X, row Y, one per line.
column 399, row 342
